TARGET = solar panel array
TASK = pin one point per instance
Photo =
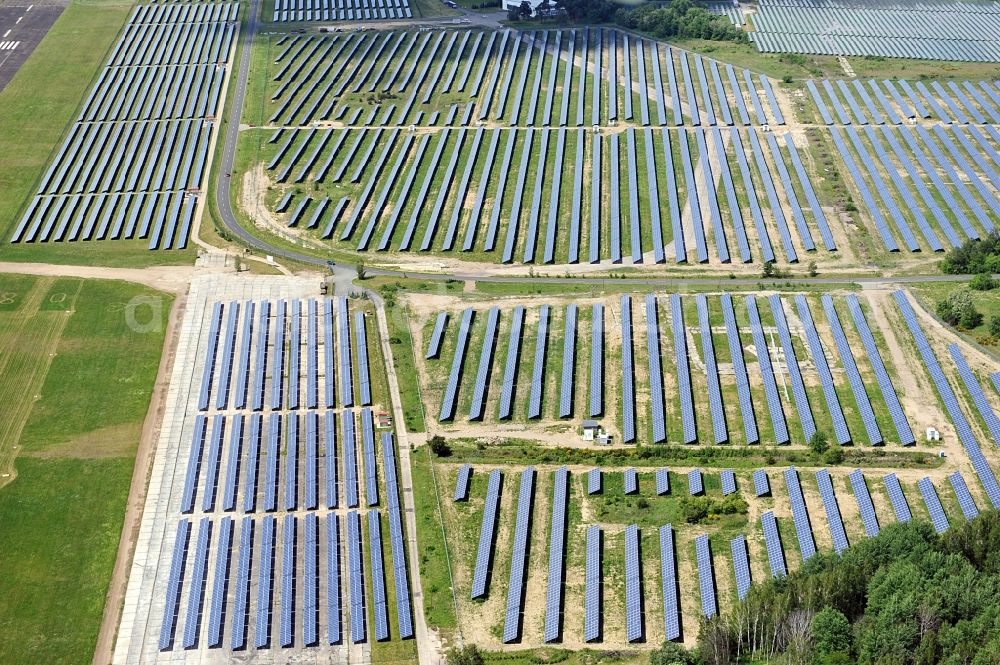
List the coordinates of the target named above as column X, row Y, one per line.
column 597, row 360
column 592, row 586
column 865, row 506
column 706, row 576
column 662, row 482
column 772, row 541
column 455, row 376
column 976, row 391
column 340, row 10
column 633, row 585
column 434, row 345
column 557, row 553
column 487, row 532
column 761, row 485
column 566, row 384
column 965, row 501
column 833, row 517
column 628, row 373
column 519, row 562
column 695, row 484
column 594, row 481
column 897, row 498
column 807, row 546
column 512, row 364
column 934, row 508
column 630, row 481
column 741, row 565
column 462, row 483
column 728, row 480
column 133, row 162
column 712, row 372
column 853, row 375
column 683, row 370
column 944, row 389
column 477, row 410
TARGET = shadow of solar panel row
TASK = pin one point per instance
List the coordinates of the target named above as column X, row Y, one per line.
column 633, row 585
column 800, row 515
column 944, row 389
column 484, row 555
column 706, row 576
column 519, row 560
column 557, row 554
column 400, row 573
column 938, row 31
column 865, row 506
column 833, row 517
column 741, row 565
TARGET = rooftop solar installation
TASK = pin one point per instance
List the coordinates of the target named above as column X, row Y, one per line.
column 772, row 541
column 668, row 581
column 741, row 565
column 557, row 554
column 865, row 506
column 633, row 586
column 592, row 586
column 487, row 532
column 706, row 576
column 897, row 498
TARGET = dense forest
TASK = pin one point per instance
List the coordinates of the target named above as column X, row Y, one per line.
column 974, row 256
column 905, row 597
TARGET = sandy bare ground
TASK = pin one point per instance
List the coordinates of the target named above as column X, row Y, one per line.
column 172, row 279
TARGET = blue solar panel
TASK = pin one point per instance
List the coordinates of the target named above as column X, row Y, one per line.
column 196, row 591
column 833, row 517
column 330, row 427
column 628, row 373
column 233, row 463
column 194, row 464
column 434, row 346
column 592, row 580
column 486, row 533
column 741, row 565
column 312, row 455
column 220, row 582
column 772, row 540
column 286, row 632
column 344, row 354
column 695, row 484
column 865, row 506
column 557, row 553
column 310, row 602
column 228, row 351
column 778, row 424
column 292, row 463
column 312, row 359
column 740, row 370
column 631, row 481
column 662, row 482
column 906, row 437
column 655, row 371
column 792, row 365
column 371, row 472
column 265, row 582
column 761, row 485
column 668, row 581
column 329, row 374
column 683, row 370
column 807, row 546
column 294, row 354
column 538, row 370
column 361, row 344
column 243, row 367
column 976, row 391
column 400, row 575
column 706, row 576
column 278, row 358
column 462, row 483
column 208, row 371
column 594, row 481
column 711, row 372
column 853, row 375
column 933, row 503
column 455, row 376
column 271, row 470
column 511, row 364
column 478, row 405
column 568, row 364
column 519, row 561
column 633, row 585
column 213, row 459
column 174, row 583
column 380, row 604
column 241, row 603
column 350, row 449
column 597, row 360
column 728, row 480
column 356, row 583
column 965, row 500
column 897, row 498
column 333, row 592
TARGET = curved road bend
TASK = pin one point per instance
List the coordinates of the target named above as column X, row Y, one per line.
column 224, row 202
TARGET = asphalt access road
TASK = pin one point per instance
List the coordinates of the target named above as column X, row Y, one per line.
column 22, row 27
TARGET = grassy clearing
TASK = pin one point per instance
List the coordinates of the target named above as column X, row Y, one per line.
column 63, row 514
column 987, row 302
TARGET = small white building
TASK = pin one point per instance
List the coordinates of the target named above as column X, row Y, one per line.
column 933, row 434
column 591, row 430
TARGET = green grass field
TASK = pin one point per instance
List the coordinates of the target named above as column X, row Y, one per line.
column 63, row 512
